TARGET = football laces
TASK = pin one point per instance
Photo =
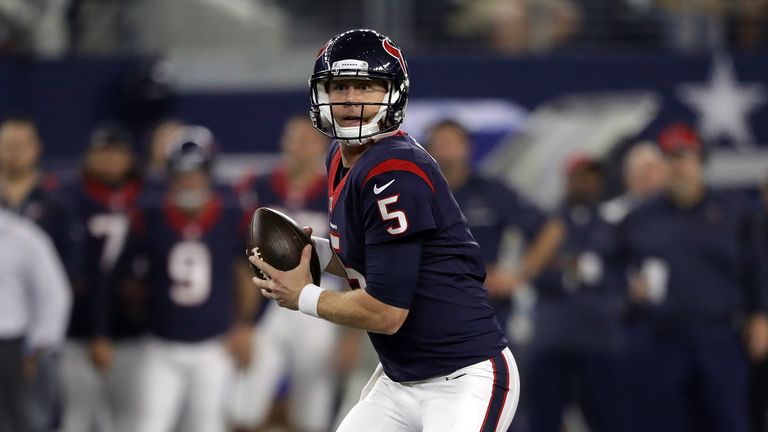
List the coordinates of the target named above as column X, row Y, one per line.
column 257, row 254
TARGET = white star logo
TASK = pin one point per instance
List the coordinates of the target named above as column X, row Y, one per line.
column 724, row 105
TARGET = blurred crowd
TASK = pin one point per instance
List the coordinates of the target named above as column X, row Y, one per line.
column 515, row 27
column 126, row 302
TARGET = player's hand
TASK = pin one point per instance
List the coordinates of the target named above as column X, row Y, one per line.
column 639, row 290
column 101, row 353
column 308, row 230
column 240, row 344
column 757, row 337
column 501, row 283
column 284, row 286
column 30, row 367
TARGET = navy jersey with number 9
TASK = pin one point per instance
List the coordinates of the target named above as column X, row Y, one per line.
column 190, row 278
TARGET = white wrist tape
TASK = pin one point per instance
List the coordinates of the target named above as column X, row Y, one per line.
column 323, row 249
column 309, row 298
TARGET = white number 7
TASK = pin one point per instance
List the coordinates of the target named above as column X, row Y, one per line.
column 399, row 215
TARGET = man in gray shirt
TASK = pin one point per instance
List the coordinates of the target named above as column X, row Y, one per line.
column 34, row 309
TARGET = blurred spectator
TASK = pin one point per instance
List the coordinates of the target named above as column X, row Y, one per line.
column 25, row 190
column 161, row 137
column 34, row 307
column 645, row 174
column 191, row 242
column 492, row 208
column 290, row 346
column 34, row 27
column 748, row 24
column 694, row 25
column 99, row 366
column 577, row 329
column 519, row 26
column 697, row 280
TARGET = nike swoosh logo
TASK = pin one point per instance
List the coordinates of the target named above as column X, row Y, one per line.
column 377, row 190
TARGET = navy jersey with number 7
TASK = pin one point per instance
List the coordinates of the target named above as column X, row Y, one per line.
column 395, row 190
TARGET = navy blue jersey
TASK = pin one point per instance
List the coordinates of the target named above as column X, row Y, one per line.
column 581, row 290
column 190, row 277
column 102, row 215
column 705, row 262
column 396, row 190
column 309, row 208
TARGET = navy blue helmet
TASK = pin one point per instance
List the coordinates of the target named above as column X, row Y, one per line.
column 192, row 149
column 362, row 54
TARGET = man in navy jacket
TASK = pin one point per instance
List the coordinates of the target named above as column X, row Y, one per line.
column 696, row 268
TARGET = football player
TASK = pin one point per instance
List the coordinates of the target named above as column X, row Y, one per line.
column 577, row 320
column 405, row 248
column 99, row 362
column 289, row 345
column 698, row 280
column 190, row 239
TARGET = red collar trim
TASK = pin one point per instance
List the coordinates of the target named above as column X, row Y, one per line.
column 280, row 185
column 335, row 192
column 116, row 198
column 197, row 225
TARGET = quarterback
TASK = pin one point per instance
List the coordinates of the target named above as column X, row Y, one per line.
column 415, row 270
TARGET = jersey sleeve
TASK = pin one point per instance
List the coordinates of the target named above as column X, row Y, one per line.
column 398, row 201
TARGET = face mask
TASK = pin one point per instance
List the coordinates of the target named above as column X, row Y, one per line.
column 191, row 200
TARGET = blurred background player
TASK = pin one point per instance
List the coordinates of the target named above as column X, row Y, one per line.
column 27, row 191
column 577, row 325
column 34, row 308
column 290, row 346
column 161, row 137
column 697, row 282
column 99, row 366
column 191, row 241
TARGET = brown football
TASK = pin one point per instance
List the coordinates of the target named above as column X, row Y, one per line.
column 279, row 241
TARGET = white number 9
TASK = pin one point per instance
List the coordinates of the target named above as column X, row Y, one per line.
column 189, row 267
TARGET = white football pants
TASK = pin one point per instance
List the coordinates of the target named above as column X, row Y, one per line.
column 183, row 383
column 99, row 401
column 302, row 347
column 481, row 397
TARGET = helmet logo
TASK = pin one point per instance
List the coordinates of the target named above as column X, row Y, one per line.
column 323, row 49
column 394, row 52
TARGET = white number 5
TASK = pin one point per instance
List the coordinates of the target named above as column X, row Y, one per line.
column 399, row 215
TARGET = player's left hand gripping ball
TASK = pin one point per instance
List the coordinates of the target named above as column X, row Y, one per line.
column 278, row 240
